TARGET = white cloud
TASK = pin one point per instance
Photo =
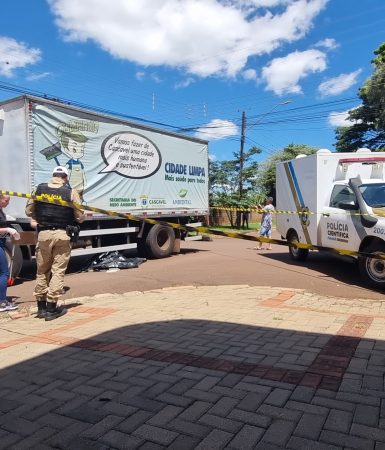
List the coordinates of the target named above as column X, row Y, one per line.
column 282, row 75
column 38, row 76
column 340, row 119
column 337, row 85
column 15, row 55
column 217, row 129
column 250, row 74
column 140, row 75
column 328, row 43
column 203, row 37
column 184, row 83
column 255, row 3
column 155, row 77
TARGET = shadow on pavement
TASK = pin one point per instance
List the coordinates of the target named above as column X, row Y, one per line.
column 191, row 384
column 342, row 269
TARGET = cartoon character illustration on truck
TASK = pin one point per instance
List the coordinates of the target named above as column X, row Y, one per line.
column 73, row 145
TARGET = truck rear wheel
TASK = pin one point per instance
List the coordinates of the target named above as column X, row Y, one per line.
column 297, row 254
column 17, row 259
column 160, row 241
column 373, row 270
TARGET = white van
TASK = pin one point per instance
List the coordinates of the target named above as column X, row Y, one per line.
column 335, row 200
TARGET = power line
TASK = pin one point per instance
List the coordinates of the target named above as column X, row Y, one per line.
column 25, row 91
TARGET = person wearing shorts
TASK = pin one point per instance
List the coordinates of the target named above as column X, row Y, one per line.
column 266, row 222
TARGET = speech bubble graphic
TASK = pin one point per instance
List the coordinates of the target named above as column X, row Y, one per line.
column 131, row 155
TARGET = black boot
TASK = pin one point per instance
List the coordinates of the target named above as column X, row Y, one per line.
column 41, row 309
column 53, row 312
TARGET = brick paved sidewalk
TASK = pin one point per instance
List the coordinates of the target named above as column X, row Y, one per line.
column 234, row 367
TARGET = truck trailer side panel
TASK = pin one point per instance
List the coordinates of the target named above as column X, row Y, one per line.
column 16, row 153
column 114, row 164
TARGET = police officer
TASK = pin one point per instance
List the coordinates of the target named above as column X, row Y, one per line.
column 53, row 245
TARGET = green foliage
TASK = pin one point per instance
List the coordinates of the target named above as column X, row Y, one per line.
column 368, row 120
column 258, row 181
column 227, row 177
column 379, row 60
column 224, row 176
column 266, row 175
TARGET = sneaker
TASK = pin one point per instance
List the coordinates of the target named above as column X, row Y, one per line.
column 10, row 306
column 7, row 306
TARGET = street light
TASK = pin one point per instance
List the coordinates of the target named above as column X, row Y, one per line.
column 286, row 102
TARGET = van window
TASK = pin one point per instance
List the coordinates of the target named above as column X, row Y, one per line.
column 342, row 194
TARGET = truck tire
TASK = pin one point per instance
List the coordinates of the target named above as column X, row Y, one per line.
column 297, row 254
column 160, row 241
column 17, row 259
column 373, row 270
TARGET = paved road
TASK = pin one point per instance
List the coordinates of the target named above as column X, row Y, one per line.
column 221, row 261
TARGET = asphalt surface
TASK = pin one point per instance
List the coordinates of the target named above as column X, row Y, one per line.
column 210, row 263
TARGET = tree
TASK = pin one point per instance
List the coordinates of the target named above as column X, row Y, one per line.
column 266, row 174
column 224, row 179
column 368, row 128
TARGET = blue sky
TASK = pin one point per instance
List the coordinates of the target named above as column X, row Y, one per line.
column 293, row 66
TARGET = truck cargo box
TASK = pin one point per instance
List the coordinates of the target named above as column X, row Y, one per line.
column 115, row 164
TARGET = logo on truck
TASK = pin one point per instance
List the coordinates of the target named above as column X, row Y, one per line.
column 149, row 202
column 131, row 155
column 337, row 231
column 305, row 217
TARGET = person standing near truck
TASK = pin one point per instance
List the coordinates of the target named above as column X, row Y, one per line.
column 53, row 245
column 4, row 271
column 245, row 218
column 266, row 221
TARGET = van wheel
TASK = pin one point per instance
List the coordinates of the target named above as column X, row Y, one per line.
column 297, row 254
column 17, row 259
column 160, row 241
column 373, row 270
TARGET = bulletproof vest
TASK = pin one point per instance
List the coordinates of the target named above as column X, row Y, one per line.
column 3, row 224
column 50, row 214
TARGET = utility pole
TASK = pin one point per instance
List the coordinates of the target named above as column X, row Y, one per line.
column 239, row 215
column 241, row 154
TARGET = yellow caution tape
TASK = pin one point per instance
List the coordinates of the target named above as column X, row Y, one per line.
column 206, row 230
column 378, row 211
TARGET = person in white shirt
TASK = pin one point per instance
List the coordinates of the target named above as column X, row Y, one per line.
column 266, row 221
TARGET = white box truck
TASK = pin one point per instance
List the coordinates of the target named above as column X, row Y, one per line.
column 344, row 194
column 115, row 164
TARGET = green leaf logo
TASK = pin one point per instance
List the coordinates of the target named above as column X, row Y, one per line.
column 183, row 192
